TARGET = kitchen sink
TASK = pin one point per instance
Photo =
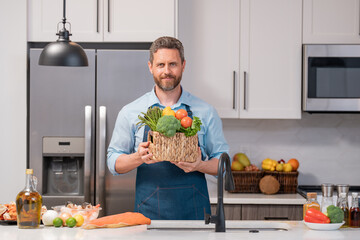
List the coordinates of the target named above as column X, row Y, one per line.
column 231, row 226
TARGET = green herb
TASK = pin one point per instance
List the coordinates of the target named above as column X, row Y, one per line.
column 193, row 129
column 150, row 118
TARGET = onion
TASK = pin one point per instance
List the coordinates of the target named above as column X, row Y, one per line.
column 48, row 217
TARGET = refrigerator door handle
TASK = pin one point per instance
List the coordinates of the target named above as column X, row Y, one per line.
column 87, row 157
column 100, row 175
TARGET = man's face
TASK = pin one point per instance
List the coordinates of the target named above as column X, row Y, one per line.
column 167, row 68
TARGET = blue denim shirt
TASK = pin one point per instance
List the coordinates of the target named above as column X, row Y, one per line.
column 127, row 136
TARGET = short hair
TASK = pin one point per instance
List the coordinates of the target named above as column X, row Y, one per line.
column 166, row 42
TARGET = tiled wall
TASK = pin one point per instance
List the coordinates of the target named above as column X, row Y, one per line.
column 326, row 145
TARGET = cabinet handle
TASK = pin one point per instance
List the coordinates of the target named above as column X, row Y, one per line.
column 245, row 90
column 97, row 16
column 276, row 218
column 234, row 92
column 108, row 15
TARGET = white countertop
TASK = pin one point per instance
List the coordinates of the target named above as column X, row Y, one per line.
column 296, row 230
column 258, row 198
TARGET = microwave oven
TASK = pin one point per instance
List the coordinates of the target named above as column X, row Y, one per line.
column 331, row 78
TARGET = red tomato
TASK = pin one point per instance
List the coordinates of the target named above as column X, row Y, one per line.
column 186, row 122
column 181, row 113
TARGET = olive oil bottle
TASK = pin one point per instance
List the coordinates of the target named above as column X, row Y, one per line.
column 28, row 204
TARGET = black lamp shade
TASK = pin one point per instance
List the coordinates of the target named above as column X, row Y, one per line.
column 63, row 53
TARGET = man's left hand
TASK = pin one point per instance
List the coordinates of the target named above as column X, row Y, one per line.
column 190, row 166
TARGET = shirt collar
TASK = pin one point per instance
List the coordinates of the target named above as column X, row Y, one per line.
column 185, row 99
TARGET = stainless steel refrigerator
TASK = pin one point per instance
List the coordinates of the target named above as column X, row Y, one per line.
column 71, row 116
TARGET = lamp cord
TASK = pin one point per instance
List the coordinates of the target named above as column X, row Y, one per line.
column 64, row 18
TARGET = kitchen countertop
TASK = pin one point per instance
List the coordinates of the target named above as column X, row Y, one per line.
column 296, row 230
column 258, row 198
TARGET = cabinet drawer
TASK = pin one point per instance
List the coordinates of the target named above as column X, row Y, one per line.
column 271, row 212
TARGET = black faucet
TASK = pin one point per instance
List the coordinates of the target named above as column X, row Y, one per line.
column 219, row 218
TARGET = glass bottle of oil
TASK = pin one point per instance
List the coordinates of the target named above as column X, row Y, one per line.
column 354, row 211
column 343, row 204
column 28, row 204
column 311, row 202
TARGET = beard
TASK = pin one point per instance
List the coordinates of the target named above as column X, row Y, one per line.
column 167, row 85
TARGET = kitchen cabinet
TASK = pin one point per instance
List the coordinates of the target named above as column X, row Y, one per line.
column 331, row 21
column 261, row 212
column 103, row 20
column 244, row 57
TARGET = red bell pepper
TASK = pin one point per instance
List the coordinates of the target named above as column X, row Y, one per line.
column 315, row 216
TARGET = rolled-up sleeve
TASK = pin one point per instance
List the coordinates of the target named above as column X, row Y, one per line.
column 214, row 137
column 122, row 140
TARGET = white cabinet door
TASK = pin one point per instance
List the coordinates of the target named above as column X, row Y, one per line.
column 139, row 20
column 270, row 59
column 331, row 21
column 103, row 20
column 209, row 31
column 85, row 17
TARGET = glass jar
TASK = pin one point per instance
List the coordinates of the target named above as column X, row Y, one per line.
column 354, row 211
column 327, row 196
column 343, row 204
column 311, row 202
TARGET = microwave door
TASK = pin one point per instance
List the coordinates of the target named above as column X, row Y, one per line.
column 332, row 83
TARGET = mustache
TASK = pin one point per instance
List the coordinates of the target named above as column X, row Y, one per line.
column 168, row 76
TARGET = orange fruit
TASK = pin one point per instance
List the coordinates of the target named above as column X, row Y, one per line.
column 294, row 163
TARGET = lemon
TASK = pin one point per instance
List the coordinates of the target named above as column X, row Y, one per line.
column 71, row 222
column 79, row 220
column 58, row 222
column 168, row 111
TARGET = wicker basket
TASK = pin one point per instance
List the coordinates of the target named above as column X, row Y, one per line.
column 247, row 181
column 288, row 180
column 178, row 148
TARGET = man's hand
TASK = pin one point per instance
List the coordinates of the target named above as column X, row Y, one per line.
column 190, row 167
column 145, row 156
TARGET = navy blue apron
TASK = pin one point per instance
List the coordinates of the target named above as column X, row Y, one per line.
column 166, row 192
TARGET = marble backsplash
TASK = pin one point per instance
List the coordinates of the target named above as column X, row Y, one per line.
column 326, row 145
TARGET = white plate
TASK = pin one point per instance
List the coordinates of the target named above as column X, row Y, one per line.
column 324, row 226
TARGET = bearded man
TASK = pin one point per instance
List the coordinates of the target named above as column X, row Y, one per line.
column 167, row 190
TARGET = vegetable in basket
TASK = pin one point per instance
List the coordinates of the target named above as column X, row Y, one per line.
column 335, row 214
column 168, row 125
column 150, row 118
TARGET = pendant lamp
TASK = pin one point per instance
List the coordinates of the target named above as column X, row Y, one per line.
column 63, row 52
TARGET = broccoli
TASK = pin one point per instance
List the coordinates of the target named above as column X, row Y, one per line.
column 168, row 125
column 335, row 214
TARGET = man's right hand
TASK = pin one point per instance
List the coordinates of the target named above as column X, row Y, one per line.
column 145, row 156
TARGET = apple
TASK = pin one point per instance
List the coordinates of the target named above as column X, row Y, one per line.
column 237, row 166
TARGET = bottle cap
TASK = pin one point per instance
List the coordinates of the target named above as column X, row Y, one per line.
column 29, row 171
column 311, row 195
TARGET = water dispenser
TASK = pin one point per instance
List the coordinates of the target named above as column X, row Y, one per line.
column 63, row 168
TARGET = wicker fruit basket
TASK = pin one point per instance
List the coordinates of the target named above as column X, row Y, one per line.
column 247, row 181
column 288, row 180
column 177, row 148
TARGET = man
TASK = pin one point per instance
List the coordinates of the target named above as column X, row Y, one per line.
column 167, row 190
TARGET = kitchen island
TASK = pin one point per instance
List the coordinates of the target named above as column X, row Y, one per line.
column 296, row 230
